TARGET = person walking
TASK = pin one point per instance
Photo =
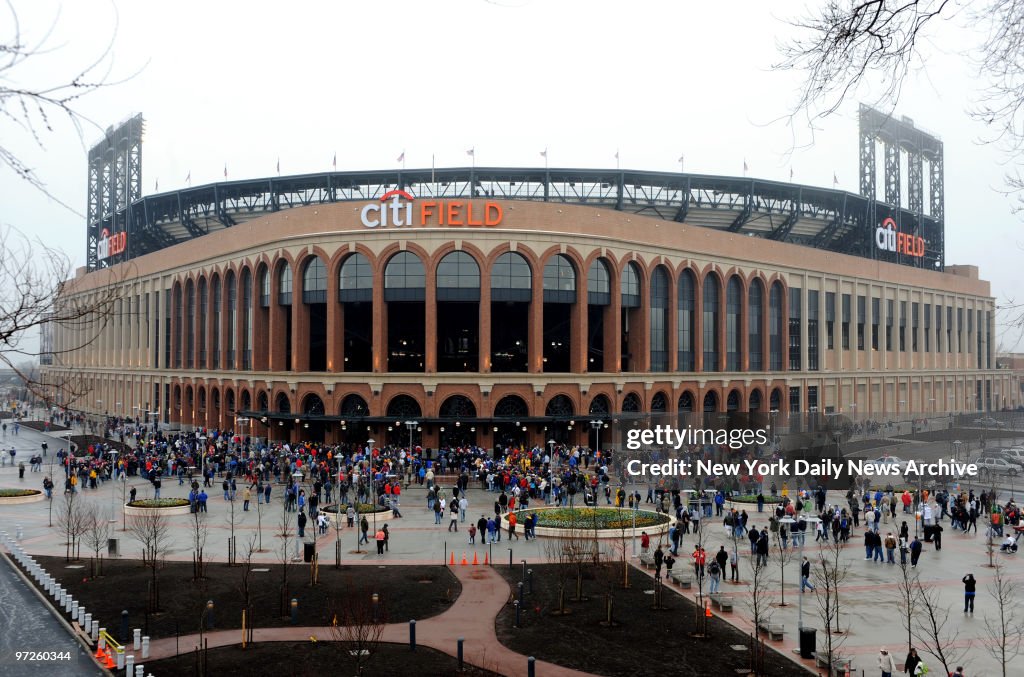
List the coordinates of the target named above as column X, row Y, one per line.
column 805, row 576
column 302, row 525
column 659, row 559
column 913, row 661
column 714, row 576
column 915, row 552
column 246, row 497
column 970, row 588
column 364, row 527
column 886, row 663
column 453, row 517
column 734, row 567
column 379, row 536
column 512, row 521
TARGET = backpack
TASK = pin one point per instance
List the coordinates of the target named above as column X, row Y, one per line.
column 713, row 568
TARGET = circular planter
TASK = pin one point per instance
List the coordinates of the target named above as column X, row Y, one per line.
column 130, row 509
column 583, row 530
column 31, row 497
column 363, row 509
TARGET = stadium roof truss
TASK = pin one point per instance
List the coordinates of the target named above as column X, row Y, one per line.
column 806, row 215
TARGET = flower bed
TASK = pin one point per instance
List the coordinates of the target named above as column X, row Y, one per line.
column 752, row 498
column 13, row 496
column 361, row 508
column 602, row 522
column 163, row 506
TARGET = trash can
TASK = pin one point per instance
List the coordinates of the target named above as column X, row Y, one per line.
column 112, row 547
column 307, row 551
column 808, row 642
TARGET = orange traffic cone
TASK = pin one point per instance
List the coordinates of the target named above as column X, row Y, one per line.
column 100, row 653
column 486, row 559
column 110, row 662
column 452, row 562
column 707, row 609
column 464, row 562
column 475, row 560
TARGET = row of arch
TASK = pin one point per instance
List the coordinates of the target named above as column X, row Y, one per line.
column 627, row 316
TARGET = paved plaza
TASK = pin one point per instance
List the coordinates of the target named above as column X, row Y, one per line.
column 870, row 601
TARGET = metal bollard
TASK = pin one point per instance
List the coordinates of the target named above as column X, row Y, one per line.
column 102, row 641
column 519, row 588
column 531, row 667
column 120, row 660
column 86, row 620
column 81, row 615
column 529, row 581
column 129, row 664
column 524, row 570
column 124, row 627
column 94, row 630
column 139, row 671
column 412, row 635
column 461, row 640
column 136, row 638
column 74, row 608
column 516, row 604
column 145, row 646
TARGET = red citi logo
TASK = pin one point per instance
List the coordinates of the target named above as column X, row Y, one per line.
column 396, row 209
column 890, row 239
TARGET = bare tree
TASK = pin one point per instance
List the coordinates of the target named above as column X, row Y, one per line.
column 759, row 603
column 930, row 629
column 908, row 585
column 245, row 587
column 1002, row 627
column 199, row 531
column 559, row 551
column 152, row 531
column 283, row 556
column 829, row 576
column 785, row 559
column 96, row 531
column 231, row 518
column 71, row 520
column 358, row 624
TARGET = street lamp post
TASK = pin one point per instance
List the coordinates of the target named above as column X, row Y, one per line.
column 811, row 523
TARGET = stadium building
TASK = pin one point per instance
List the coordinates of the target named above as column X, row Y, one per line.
column 495, row 305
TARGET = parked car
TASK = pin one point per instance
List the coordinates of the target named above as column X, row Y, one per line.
column 997, row 466
column 989, row 422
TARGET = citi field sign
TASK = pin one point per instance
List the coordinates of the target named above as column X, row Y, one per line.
column 397, row 208
column 111, row 245
column 889, row 238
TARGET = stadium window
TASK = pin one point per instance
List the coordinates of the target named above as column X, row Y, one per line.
column 927, row 327
column 775, row 327
column 710, row 321
column 861, row 317
column 830, row 320
column 915, row 308
column 903, row 326
column 812, row 330
column 755, row 312
column 846, row 322
column 686, row 306
column 795, row 358
column 733, row 324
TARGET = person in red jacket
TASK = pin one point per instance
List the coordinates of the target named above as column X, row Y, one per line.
column 645, row 542
column 699, row 558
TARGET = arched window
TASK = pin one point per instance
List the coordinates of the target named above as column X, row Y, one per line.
column 559, row 406
column 775, row 401
column 215, row 399
column 686, row 305
column 312, row 405
column 599, row 284
column 355, row 280
column 229, row 400
column 755, row 310
column 630, row 286
column 732, row 403
column 457, row 406
column 246, row 400
column 314, row 282
column 511, row 407
column 354, row 405
column 659, row 403
column 733, row 324
column 263, row 402
column 659, row 319
column 710, row 322
column 685, row 405
column 202, row 400
column 754, row 403
column 403, row 407
column 284, row 406
column 559, row 280
column 710, row 402
column 458, row 278
column 405, row 278
column 178, row 327
column 775, row 328
column 511, row 279
column 631, row 404
column 284, row 285
column 600, row 405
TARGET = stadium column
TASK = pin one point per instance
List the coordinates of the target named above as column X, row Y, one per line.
column 278, row 326
column 484, row 323
column 430, row 321
column 300, row 323
column 612, row 338
column 578, row 337
column 535, row 352
column 335, row 328
column 380, row 322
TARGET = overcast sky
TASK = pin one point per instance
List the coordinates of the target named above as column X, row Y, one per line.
column 246, row 83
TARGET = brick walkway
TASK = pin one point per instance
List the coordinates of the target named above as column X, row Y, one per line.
column 484, row 593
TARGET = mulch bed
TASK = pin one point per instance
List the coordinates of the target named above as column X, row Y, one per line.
column 583, row 643
column 82, row 443
column 407, row 592
column 314, row 659
column 41, row 426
